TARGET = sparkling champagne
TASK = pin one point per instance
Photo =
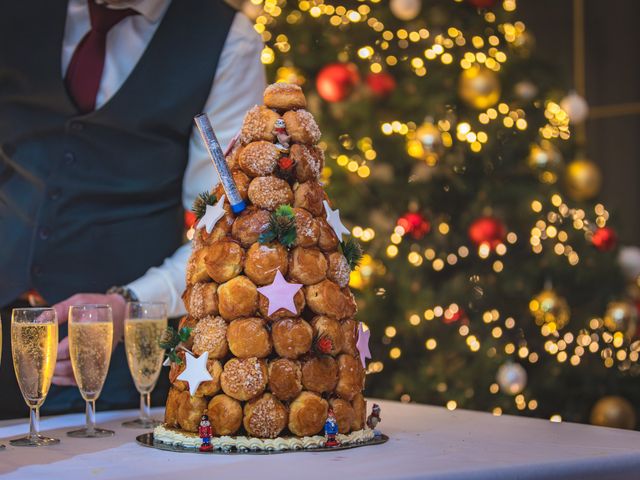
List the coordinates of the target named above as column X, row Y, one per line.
column 90, row 345
column 35, row 348
column 144, row 354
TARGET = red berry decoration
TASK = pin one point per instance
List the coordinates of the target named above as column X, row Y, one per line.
column 487, row 230
column 285, row 163
column 324, row 345
column 604, row 239
column 482, row 3
column 336, row 81
column 381, row 84
column 414, row 224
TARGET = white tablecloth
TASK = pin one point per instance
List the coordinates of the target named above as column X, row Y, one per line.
column 426, row 442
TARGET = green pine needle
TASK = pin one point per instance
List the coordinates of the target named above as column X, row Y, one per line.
column 169, row 339
column 173, row 356
column 200, row 204
column 184, row 334
column 282, row 227
column 352, row 251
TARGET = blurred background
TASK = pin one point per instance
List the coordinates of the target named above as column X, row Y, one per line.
column 484, row 153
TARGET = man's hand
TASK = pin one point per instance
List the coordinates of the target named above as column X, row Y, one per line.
column 63, row 373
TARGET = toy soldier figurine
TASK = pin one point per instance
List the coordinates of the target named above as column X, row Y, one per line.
column 331, row 429
column 205, row 433
column 374, row 419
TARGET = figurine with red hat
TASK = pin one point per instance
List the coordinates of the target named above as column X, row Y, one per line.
column 205, row 432
column 331, row 429
column 374, row 419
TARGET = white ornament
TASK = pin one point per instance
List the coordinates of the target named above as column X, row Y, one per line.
column 195, row 371
column 212, row 215
column 512, row 378
column 405, row 9
column 629, row 260
column 576, row 107
column 525, row 90
column 333, row 219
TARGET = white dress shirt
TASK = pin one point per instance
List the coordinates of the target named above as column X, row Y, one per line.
column 238, row 85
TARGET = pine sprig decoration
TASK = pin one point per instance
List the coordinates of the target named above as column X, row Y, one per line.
column 282, row 227
column 171, row 339
column 200, row 204
column 352, row 251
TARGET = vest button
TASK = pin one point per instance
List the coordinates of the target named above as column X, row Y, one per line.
column 69, row 158
column 36, row 270
column 44, row 233
column 54, row 194
column 76, row 127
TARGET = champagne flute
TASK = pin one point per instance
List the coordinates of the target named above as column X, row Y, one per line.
column 144, row 324
column 90, row 346
column 34, row 346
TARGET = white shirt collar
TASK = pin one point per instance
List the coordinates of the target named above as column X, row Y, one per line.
column 152, row 10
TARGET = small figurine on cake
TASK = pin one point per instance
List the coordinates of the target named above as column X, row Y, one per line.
column 331, row 429
column 205, row 432
column 282, row 137
column 374, row 419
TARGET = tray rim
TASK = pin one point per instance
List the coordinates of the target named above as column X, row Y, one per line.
column 147, row 440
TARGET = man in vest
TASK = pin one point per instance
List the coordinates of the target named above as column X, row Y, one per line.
column 99, row 160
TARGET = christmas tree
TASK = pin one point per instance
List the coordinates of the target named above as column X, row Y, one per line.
column 490, row 280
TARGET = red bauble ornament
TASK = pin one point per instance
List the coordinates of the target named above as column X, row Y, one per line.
column 452, row 315
column 189, row 219
column 381, row 84
column 604, row 239
column 482, row 3
column 336, row 81
column 487, row 230
column 414, row 224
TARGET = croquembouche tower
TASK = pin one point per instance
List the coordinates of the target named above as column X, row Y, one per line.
column 270, row 344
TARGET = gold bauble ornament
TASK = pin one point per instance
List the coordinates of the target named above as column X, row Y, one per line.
column 548, row 308
column 426, row 143
column 290, row 74
column 360, row 278
column 479, row 87
column 613, row 411
column 621, row 317
column 582, row 179
column 546, row 161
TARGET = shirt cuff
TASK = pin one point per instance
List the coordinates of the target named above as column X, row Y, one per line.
column 156, row 286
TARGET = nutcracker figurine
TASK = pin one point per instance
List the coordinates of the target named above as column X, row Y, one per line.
column 374, row 419
column 331, row 429
column 205, row 433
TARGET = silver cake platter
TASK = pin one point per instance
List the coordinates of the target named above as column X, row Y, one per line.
column 146, row 440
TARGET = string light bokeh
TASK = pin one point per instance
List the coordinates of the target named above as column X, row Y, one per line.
column 561, row 227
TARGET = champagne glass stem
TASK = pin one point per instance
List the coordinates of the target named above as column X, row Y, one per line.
column 91, row 416
column 34, row 423
column 145, row 406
